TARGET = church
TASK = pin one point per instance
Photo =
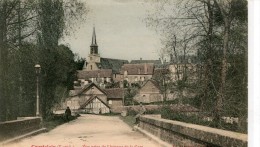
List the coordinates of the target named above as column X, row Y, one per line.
column 100, row 83
column 100, row 70
column 105, row 71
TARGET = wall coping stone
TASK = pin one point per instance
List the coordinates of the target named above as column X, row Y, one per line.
column 19, row 120
column 209, row 135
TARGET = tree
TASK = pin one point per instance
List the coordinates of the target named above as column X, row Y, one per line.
column 23, row 24
column 51, row 27
column 215, row 30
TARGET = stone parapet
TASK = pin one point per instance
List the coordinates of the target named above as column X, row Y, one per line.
column 185, row 134
column 11, row 129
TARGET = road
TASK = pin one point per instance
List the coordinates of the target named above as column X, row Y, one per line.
column 89, row 131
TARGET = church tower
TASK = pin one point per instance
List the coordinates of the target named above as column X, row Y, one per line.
column 94, row 57
column 94, row 46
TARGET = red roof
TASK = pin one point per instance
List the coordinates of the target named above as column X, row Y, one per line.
column 138, row 69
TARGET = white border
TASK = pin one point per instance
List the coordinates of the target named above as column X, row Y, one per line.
column 253, row 73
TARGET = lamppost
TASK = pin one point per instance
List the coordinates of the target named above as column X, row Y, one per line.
column 37, row 71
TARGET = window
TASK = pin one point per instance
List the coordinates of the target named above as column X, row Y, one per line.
column 90, row 67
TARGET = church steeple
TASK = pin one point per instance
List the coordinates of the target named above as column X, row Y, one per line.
column 94, row 46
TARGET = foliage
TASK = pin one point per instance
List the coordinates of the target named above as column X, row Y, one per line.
column 129, row 95
column 130, row 120
column 29, row 34
column 55, row 120
column 214, row 31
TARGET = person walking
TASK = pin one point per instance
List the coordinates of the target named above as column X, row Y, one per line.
column 67, row 114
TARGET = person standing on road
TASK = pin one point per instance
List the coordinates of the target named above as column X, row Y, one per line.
column 67, row 113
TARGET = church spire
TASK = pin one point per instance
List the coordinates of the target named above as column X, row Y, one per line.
column 94, row 41
column 94, row 46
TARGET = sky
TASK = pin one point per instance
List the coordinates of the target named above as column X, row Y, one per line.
column 120, row 29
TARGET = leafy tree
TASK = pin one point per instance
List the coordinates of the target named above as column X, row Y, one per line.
column 23, row 24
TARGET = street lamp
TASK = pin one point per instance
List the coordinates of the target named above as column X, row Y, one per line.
column 37, row 71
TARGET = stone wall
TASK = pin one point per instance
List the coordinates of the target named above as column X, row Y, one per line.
column 10, row 129
column 185, row 134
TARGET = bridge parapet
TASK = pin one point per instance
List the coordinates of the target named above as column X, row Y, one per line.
column 11, row 129
column 185, row 134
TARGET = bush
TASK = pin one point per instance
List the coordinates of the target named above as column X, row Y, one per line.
column 55, row 120
column 131, row 112
column 167, row 113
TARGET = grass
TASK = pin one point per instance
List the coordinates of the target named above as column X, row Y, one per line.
column 54, row 121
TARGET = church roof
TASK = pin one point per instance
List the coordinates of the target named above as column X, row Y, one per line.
column 114, row 64
column 138, row 69
column 155, row 62
column 101, row 73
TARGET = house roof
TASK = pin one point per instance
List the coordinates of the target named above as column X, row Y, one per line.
column 114, row 93
column 90, row 100
column 114, row 64
column 138, row 69
column 87, row 87
column 94, row 73
column 155, row 83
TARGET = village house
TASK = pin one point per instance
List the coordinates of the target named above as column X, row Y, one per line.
column 100, row 77
column 149, row 92
column 94, row 105
column 85, row 97
column 137, row 73
column 115, row 97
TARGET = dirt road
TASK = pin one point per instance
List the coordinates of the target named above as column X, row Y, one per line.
column 89, row 131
